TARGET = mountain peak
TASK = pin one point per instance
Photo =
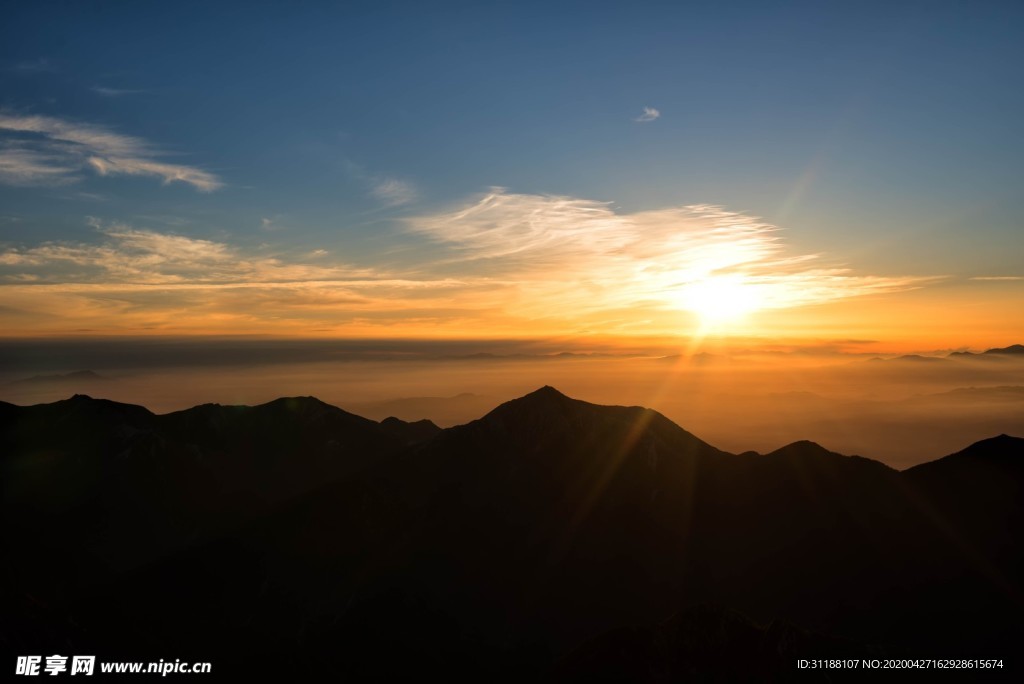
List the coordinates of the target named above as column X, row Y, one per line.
column 803, row 447
column 545, row 392
column 544, row 402
column 988, row 465
column 410, row 432
column 1000, row 444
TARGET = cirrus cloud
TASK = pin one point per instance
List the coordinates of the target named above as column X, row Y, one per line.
column 577, row 254
column 43, row 150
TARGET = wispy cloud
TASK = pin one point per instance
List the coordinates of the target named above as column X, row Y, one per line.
column 33, row 66
column 115, row 92
column 394, row 192
column 135, row 279
column 41, row 150
column 649, row 114
column 574, row 254
column 998, row 278
column 25, row 165
column 146, row 257
column 504, row 263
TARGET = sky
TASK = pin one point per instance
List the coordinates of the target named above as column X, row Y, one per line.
column 790, row 171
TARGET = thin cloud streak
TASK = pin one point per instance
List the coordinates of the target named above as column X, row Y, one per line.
column 36, row 66
column 144, row 257
column 41, row 150
column 142, row 280
column 115, row 92
column 25, row 166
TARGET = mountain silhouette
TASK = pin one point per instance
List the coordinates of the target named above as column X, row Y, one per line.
column 410, row 433
column 65, row 378
column 550, row 538
column 1012, row 349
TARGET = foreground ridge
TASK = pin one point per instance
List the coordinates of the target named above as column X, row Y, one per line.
column 528, row 543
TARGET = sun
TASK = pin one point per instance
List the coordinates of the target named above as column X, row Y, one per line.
column 721, row 299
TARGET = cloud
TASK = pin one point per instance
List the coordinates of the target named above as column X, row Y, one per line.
column 650, row 114
column 574, row 254
column 501, row 263
column 998, row 278
column 135, row 279
column 34, row 66
column 115, row 92
column 394, row 192
column 27, row 166
column 145, row 257
column 41, row 150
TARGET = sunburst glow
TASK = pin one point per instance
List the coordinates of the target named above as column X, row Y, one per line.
column 722, row 299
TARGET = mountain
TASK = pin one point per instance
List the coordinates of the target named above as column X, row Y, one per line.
column 410, row 433
column 94, row 472
column 66, row 378
column 977, row 492
column 917, row 358
column 551, row 537
column 1013, row 349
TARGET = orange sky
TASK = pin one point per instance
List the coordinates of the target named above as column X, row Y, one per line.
column 505, row 265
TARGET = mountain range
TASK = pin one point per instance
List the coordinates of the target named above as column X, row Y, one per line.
column 551, row 539
column 1012, row 351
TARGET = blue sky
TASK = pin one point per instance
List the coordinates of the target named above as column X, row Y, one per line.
column 884, row 136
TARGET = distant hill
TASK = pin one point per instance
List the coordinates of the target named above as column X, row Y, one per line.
column 1013, row 349
column 66, row 378
column 549, row 538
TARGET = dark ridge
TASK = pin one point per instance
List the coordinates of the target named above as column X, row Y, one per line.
column 81, row 411
column 806, row 449
column 1001, row 450
column 1012, row 349
column 803, row 449
column 546, row 398
column 328, row 544
column 546, row 416
column 410, row 433
column 545, row 393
